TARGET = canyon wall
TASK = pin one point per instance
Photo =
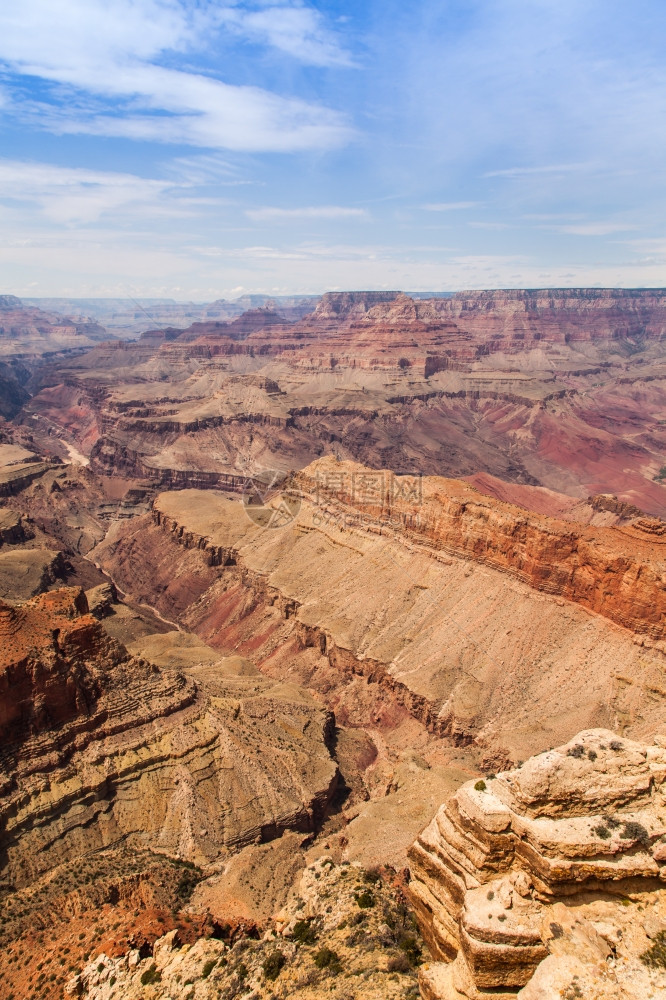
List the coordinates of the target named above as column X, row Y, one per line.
column 103, row 748
column 445, row 605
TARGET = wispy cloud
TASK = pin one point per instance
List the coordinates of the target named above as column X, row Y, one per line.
column 551, row 168
column 296, row 29
column 268, row 214
column 595, row 228
column 76, row 195
column 109, row 58
column 449, row 206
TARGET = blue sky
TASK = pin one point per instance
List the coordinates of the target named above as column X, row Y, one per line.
column 203, row 150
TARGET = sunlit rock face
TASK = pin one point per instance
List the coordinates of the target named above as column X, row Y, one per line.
column 101, row 747
column 526, row 879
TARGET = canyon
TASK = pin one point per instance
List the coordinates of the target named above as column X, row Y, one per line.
column 280, row 590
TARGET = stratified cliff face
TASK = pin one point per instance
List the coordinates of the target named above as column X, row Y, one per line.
column 100, row 747
column 470, row 614
column 26, row 330
column 525, row 878
column 618, row 574
column 560, row 389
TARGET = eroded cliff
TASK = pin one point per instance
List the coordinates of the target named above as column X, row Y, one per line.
column 102, row 747
column 484, row 623
column 549, row 880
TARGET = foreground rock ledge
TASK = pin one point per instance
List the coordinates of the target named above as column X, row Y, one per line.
column 549, row 881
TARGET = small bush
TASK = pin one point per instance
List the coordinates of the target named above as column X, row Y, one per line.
column 208, row 968
column 151, row 975
column 577, row 751
column 592, row 754
column 616, row 745
column 603, row 832
column 372, row 876
column 326, row 958
column 480, row 786
column 241, row 971
column 273, row 964
column 611, row 822
column 398, row 963
column 655, row 956
column 304, row 932
column 364, row 900
column 409, row 946
column 635, row 831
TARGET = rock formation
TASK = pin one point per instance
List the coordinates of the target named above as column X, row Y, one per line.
column 560, row 389
column 343, row 927
column 471, row 614
column 544, row 861
column 101, row 747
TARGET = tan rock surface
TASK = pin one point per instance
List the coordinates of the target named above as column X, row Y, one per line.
column 524, row 880
column 469, row 614
column 349, row 950
column 101, row 747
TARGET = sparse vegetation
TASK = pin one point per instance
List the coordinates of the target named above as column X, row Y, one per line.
column 273, row 965
column 151, row 975
column 326, row 958
column 304, row 932
column 635, row 831
column 655, row 955
column 480, row 785
column 365, row 900
column 603, row 832
column 577, row 751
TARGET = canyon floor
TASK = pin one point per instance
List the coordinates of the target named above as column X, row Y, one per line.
column 273, row 588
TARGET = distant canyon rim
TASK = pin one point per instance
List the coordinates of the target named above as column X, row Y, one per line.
column 283, row 580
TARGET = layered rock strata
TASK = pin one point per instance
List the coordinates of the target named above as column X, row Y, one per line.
column 100, row 747
column 513, row 864
column 469, row 613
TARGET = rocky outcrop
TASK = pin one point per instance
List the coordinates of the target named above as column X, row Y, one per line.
column 101, row 747
column 322, row 940
column 470, row 614
column 512, row 865
column 594, row 567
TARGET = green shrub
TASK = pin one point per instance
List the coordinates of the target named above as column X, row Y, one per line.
column 208, row 968
column 409, row 946
column 655, row 956
column 364, row 900
column 304, row 932
column 272, row 965
column 151, row 975
column 326, row 958
column 480, row 786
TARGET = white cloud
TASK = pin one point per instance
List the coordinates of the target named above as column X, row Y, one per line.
column 450, row 206
column 110, row 52
column 595, row 228
column 293, row 28
column 314, row 212
column 69, row 195
column 552, row 168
